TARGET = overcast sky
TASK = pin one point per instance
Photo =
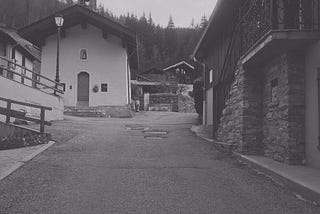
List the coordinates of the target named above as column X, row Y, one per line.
column 182, row 11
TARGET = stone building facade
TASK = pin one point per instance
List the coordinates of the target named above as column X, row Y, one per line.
column 265, row 91
column 265, row 111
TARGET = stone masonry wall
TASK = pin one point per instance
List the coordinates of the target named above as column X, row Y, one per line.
column 230, row 127
column 284, row 116
column 158, row 99
column 265, row 110
column 241, row 120
column 275, row 112
column 296, row 147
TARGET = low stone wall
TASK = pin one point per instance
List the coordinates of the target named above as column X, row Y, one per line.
column 164, row 99
column 100, row 111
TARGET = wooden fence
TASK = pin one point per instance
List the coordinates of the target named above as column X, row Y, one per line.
column 9, row 112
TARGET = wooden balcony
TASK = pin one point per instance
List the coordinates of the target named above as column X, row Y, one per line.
column 270, row 27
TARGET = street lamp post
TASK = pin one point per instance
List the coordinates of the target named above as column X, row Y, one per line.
column 59, row 23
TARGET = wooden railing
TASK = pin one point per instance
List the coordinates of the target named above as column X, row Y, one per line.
column 10, row 69
column 9, row 112
column 259, row 17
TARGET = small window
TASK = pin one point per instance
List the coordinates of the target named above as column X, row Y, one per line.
column 83, row 54
column 104, row 87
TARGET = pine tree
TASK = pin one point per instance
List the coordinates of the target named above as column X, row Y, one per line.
column 192, row 25
column 170, row 23
column 158, row 46
column 101, row 10
column 204, row 22
column 150, row 20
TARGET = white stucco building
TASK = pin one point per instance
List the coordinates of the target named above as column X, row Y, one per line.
column 96, row 55
column 19, row 77
column 19, row 51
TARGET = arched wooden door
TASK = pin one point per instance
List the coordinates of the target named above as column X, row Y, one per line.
column 83, row 89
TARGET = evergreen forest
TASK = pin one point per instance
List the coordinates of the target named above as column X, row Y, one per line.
column 158, row 46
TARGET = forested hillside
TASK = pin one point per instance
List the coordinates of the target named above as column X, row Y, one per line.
column 158, row 46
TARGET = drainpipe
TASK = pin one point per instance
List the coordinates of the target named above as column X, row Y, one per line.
column 204, row 119
column 318, row 108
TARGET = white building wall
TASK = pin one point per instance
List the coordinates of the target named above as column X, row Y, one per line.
column 15, row 91
column 106, row 63
column 312, row 96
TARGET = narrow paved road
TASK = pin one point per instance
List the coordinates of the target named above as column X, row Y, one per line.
column 111, row 166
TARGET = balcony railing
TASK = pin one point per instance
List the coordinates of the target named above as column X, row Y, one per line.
column 259, row 17
column 13, row 71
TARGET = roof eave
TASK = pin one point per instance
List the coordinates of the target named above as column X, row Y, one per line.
column 210, row 24
column 178, row 64
column 29, row 31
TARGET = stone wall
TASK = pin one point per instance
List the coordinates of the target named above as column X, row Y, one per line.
column 275, row 112
column 230, row 127
column 241, row 119
column 284, row 115
column 296, row 146
column 160, row 99
column 265, row 110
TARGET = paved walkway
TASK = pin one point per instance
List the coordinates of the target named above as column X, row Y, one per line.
column 302, row 180
column 11, row 160
column 152, row 163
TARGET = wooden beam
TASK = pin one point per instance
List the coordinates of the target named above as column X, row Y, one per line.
column 25, row 104
column 21, row 115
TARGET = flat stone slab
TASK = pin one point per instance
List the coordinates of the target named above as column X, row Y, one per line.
column 151, row 132
column 137, row 127
column 155, row 137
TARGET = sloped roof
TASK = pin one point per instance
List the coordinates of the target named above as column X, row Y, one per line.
column 74, row 15
column 23, row 45
column 223, row 11
column 180, row 64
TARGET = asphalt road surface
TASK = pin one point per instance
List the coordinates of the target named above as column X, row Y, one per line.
column 115, row 166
